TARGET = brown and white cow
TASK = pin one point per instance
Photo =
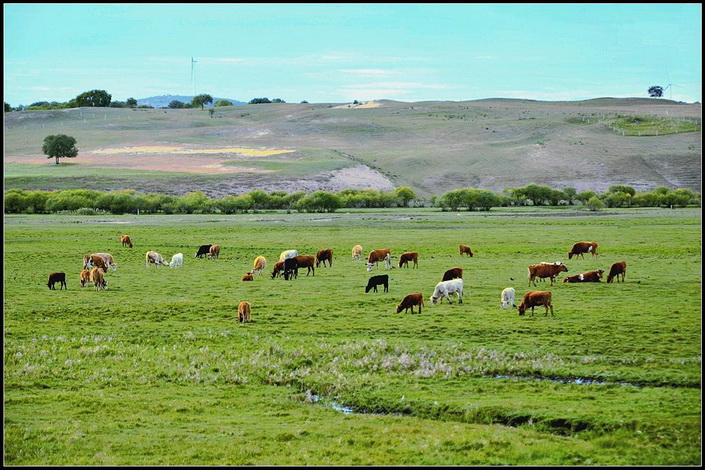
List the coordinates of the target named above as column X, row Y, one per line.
column 465, row 249
column 98, row 279
column 125, row 240
column 404, row 259
column 453, row 273
column 324, row 255
column 305, row 261
column 534, row 299
column 616, row 270
column 543, row 270
column 152, row 257
column 93, row 260
column 109, row 261
column 583, row 247
column 410, row 301
column 357, row 252
column 590, row 276
column 375, row 256
column 57, row 277
column 243, row 311
column 259, row 265
column 214, row 251
column 85, row 277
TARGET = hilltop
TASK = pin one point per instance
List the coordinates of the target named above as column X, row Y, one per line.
column 432, row 147
column 163, row 101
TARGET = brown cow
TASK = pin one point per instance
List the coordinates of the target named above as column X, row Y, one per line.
column 306, row 261
column 534, row 299
column 98, row 280
column 248, row 277
column 545, row 270
column 465, row 249
column 590, row 276
column 214, row 251
column 94, row 260
column 57, row 277
column 243, row 311
column 617, row 269
column 375, row 256
column 410, row 301
column 452, row 273
column 278, row 269
column 85, row 277
column 583, row 247
column 324, row 255
column 409, row 256
column 125, row 240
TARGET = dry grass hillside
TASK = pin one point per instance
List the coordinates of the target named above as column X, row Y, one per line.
column 431, row 147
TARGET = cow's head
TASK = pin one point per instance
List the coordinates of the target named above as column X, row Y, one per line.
column 369, row 267
column 522, row 309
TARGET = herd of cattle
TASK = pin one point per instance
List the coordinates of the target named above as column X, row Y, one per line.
column 95, row 265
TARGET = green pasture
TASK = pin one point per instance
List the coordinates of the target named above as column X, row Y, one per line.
column 157, row 371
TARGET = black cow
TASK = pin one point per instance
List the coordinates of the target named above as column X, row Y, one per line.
column 204, row 250
column 291, row 268
column 57, row 277
column 382, row 279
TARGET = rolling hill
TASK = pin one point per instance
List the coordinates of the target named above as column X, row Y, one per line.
column 432, row 147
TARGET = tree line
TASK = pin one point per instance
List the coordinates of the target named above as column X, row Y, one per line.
column 88, row 202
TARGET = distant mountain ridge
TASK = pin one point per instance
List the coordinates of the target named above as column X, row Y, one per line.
column 163, row 101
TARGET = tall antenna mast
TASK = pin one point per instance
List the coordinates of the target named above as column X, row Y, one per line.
column 193, row 76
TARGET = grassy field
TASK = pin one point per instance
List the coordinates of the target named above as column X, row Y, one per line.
column 157, row 371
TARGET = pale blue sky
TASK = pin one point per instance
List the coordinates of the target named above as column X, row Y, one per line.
column 336, row 53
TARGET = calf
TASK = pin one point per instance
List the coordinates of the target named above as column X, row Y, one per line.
column 291, row 269
column 98, row 280
column 57, row 277
column 177, row 260
column 152, row 257
column 248, row 277
column 243, row 311
column 409, row 256
column 374, row 281
column 324, row 255
column 259, row 265
column 583, row 247
column 464, row 249
column 278, row 269
column 534, row 299
column 542, row 270
column 616, row 270
column 445, row 288
column 305, row 261
column 85, row 277
column 453, row 273
column 590, row 276
column 125, row 240
column 109, row 261
column 203, row 250
column 508, row 297
column 357, row 252
column 214, row 251
column 410, row 301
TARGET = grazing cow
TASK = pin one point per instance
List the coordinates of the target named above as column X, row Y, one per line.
column 177, row 260
column 410, row 301
column 109, row 261
column 376, row 256
column 409, row 256
column 542, row 270
column 286, row 254
column 583, row 247
column 152, row 257
column 57, row 277
column 248, row 277
column 534, row 299
column 85, row 277
column 305, row 261
column 453, row 273
column 382, row 279
column 243, row 311
column 590, row 276
column 508, row 297
column 203, row 250
column 214, row 252
column 259, row 265
column 278, row 269
column 357, row 252
column 464, row 249
column 617, row 269
column 445, row 288
column 98, row 280
column 291, row 269
column 324, row 255
column 93, row 260
column 125, row 240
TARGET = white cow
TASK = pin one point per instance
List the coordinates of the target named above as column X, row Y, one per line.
column 287, row 254
column 445, row 288
column 508, row 297
column 177, row 260
column 357, row 252
column 152, row 257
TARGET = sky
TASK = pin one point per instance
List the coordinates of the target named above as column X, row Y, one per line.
column 338, row 53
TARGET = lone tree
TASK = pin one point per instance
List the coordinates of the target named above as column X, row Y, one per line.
column 201, row 100
column 94, row 98
column 59, row 146
column 656, row 91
